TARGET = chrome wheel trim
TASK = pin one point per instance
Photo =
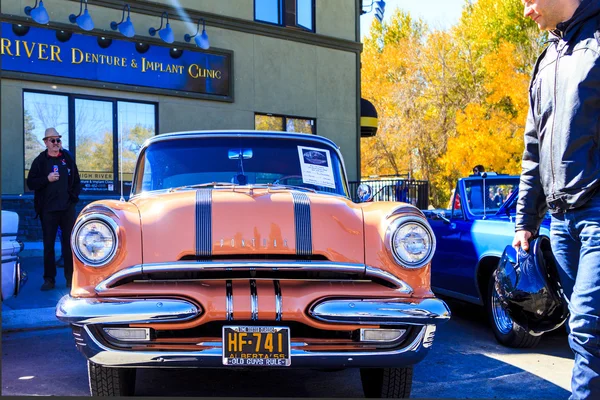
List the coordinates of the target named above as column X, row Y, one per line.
column 502, row 320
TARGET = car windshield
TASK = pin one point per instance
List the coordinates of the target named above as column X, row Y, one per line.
column 239, row 160
column 488, row 195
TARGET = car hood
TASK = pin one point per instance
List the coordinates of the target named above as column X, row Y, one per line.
column 246, row 223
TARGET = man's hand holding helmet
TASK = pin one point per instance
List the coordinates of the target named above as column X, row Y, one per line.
column 522, row 240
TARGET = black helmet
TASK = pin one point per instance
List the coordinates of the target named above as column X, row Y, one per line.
column 529, row 287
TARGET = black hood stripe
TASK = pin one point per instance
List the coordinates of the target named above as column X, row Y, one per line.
column 303, row 223
column 204, row 222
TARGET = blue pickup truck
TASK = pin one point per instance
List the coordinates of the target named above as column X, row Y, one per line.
column 471, row 236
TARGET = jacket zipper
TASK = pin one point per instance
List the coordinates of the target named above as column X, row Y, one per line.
column 553, row 122
column 539, row 98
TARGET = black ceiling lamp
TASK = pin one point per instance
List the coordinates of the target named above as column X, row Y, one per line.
column 63, row 36
column 104, row 42
column 176, row 53
column 20, row 30
column 142, row 47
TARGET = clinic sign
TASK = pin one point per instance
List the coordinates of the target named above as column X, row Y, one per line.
column 39, row 51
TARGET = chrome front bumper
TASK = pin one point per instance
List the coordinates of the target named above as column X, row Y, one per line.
column 424, row 315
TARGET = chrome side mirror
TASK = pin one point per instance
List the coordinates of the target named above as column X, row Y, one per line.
column 442, row 215
column 364, row 192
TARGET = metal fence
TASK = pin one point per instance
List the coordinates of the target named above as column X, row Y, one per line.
column 396, row 189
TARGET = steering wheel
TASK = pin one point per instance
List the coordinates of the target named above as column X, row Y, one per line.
column 285, row 178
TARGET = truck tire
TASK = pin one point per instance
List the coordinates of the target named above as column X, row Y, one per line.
column 387, row 382
column 105, row 381
column 507, row 332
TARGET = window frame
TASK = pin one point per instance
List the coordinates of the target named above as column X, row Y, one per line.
column 281, row 15
column 284, row 122
column 71, row 97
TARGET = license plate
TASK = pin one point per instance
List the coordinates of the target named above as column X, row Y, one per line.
column 261, row 346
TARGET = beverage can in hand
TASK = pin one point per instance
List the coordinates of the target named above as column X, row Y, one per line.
column 55, row 168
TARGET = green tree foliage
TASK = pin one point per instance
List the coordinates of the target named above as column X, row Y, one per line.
column 448, row 100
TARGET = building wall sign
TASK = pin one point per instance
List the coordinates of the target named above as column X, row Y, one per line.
column 81, row 57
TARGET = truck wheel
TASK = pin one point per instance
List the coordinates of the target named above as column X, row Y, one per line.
column 387, row 382
column 105, row 381
column 508, row 333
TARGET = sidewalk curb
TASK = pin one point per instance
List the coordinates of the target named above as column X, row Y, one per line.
column 30, row 319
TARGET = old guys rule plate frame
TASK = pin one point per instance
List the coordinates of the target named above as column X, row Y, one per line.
column 256, row 346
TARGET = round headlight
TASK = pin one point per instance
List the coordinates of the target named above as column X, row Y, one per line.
column 94, row 239
column 411, row 241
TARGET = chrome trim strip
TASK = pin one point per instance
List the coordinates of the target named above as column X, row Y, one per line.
column 360, row 270
column 100, row 208
column 229, row 299
column 254, row 300
column 204, row 222
column 119, row 311
column 430, row 311
column 402, row 286
column 96, row 352
column 404, row 209
column 429, row 336
column 303, row 224
column 118, row 276
column 278, row 300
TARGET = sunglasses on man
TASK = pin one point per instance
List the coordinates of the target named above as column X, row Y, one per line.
column 53, row 140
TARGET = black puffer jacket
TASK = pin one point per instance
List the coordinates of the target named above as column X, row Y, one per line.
column 561, row 161
column 38, row 180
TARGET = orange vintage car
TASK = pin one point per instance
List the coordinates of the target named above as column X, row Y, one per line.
column 243, row 249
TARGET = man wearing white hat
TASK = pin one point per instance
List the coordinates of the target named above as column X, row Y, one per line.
column 55, row 179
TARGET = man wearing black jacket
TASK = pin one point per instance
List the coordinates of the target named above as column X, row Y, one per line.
column 55, row 178
column 561, row 169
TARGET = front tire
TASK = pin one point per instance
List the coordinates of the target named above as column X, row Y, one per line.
column 507, row 332
column 387, row 382
column 105, row 381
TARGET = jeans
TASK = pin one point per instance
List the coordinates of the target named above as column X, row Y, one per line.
column 575, row 237
column 50, row 223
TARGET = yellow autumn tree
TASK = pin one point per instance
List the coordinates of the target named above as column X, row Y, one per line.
column 491, row 132
column 390, row 80
column 448, row 100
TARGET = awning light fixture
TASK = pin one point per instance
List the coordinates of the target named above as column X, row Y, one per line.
column 165, row 34
column 38, row 13
column 125, row 27
column 202, row 40
column 84, row 21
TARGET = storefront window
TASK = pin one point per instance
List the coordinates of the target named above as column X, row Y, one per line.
column 268, row 122
column 136, row 124
column 99, row 126
column 42, row 111
column 94, row 144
